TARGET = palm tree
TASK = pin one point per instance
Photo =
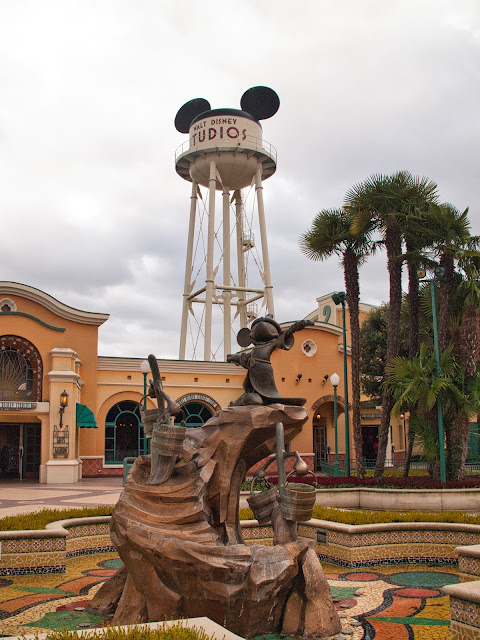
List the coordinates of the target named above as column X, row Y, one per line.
column 330, row 234
column 465, row 341
column 456, row 250
column 387, row 202
column 452, row 244
column 415, row 383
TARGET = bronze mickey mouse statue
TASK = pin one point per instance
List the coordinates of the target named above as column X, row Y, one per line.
column 266, row 335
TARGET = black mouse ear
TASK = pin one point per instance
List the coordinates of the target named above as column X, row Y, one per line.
column 188, row 112
column 243, row 337
column 260, row 102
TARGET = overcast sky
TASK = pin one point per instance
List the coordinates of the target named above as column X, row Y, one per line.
column 92, row 209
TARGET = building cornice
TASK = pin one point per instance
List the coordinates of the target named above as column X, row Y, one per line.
column 106, row 363
column 52, row 304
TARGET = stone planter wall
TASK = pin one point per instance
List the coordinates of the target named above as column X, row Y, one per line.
column 367, row 545
column 401, row 499
column 47, row 550
column 464, row 610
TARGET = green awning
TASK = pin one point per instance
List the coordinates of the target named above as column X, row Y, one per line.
column 85, row 417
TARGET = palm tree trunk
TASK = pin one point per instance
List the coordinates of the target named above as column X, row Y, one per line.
column 408, row 458
column 350, row 263
column 413, row 307
column 467, row 352
column 446, row 285
column 393, row 242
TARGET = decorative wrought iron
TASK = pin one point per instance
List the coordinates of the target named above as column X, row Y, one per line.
column 21, row 370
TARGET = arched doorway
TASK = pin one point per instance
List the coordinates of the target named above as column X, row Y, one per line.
column 124, row 437
column 323, row 429
column 21, row 373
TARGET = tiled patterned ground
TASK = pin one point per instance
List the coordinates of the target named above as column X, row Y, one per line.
column 400, row 602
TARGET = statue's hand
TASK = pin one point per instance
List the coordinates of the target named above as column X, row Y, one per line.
column 301, row 324
column 232, row 357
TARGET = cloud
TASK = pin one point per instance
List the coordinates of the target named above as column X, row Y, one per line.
column 91, row 208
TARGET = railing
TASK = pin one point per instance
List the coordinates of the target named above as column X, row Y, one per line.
column 250, row 142
column 397, row 464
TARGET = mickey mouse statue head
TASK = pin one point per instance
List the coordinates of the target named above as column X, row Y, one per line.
column 257, row 103
column 265, row 335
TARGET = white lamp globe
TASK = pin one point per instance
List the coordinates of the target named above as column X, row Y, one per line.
column 335, row 379
column 144, row 366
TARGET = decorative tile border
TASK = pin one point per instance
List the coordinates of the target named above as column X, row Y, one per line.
column 374, row 544
column 465, row 611
column 32, row 545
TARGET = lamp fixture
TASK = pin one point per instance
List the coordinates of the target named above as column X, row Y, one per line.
column 63, row 405
column 299, row 377
column 63, row 399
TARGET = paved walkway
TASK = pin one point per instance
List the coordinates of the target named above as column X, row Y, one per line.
column 25, row 496
column 400, row 602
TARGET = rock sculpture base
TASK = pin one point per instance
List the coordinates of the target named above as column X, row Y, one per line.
column 182, row 545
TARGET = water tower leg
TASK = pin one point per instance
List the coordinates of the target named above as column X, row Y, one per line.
column 242, row 308
column 227, row 295
column 209, row 282
column 188, row 271
column 263, row 237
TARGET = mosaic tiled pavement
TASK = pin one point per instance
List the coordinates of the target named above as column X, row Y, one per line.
column 396, row 602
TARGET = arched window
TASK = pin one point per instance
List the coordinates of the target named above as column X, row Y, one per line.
column 124, row 437
column 21, row 370
column 196, row 414
column 197, row 409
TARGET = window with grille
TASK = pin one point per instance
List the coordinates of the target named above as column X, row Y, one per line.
column 124, row 436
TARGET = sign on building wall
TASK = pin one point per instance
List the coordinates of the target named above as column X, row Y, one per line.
column 17, row 406
column 60, row 441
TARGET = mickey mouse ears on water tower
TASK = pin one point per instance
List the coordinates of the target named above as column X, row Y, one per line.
column 260, row 102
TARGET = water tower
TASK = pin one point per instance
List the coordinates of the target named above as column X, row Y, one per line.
column 225, row 153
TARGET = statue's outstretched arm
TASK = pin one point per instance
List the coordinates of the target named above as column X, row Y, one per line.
column 299, row 325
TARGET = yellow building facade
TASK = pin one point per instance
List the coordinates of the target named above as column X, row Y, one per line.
column 48, row 348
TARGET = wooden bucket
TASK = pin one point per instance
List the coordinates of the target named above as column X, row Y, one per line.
column 167, row 440
column 262, row 503
column 297, row 501
column 149, row 417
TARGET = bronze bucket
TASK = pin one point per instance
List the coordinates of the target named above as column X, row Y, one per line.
column 262, row 503
column 167, row 440
column 297, row 501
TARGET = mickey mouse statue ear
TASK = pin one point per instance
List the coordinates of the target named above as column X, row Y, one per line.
column 243, row 337
column 189, row 112
column 260, row 102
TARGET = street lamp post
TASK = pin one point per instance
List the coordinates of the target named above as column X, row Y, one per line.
column 438, row 275
column 340, row 298
column 335, row 379
column 145, row 368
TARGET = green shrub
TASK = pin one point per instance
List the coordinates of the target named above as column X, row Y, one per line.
column 374, row 517
column 177, row 631
column 38, row 519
